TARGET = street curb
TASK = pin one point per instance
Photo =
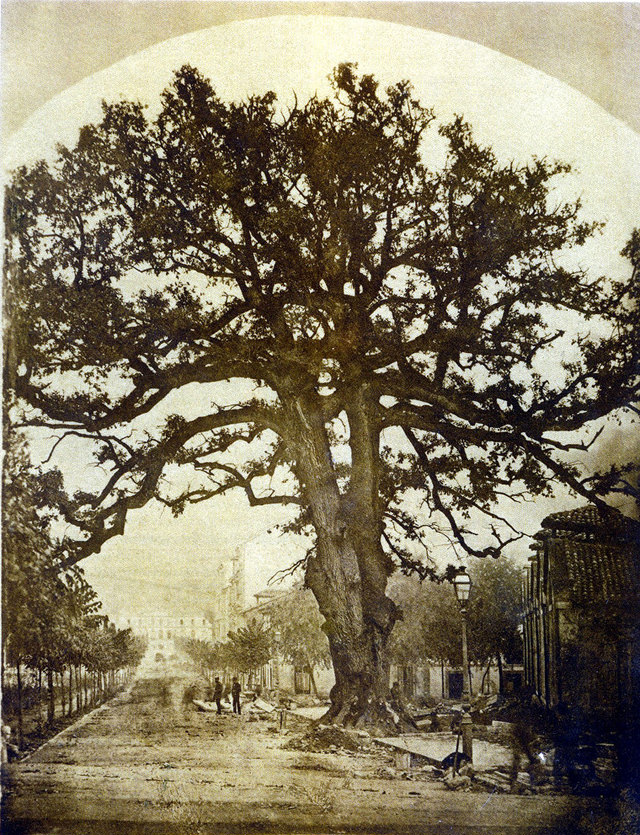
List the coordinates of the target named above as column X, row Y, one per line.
column 78, row 723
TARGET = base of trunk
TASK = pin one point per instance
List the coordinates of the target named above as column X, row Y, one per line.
column 359, row 710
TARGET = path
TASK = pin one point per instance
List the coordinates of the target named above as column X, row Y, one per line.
column 143, row 764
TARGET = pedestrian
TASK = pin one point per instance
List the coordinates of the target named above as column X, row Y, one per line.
column 525, row 745
column 235, row 694
column 566, row 738
column 217, row 693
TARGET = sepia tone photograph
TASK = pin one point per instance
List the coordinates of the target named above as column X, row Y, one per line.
column 321, row 449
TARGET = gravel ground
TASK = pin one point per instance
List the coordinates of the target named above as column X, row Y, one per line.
column 145, row 763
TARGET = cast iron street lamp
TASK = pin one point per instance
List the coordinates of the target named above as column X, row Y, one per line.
column 276, row 663
column 462, row 585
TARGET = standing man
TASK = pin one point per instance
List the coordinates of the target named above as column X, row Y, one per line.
column 235, row 694
column 217, row 694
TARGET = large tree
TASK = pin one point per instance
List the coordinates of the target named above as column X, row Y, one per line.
column 391, row 330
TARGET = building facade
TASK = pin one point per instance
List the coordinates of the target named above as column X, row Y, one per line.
column 581, row 604
column 435, row 681
column 163, row 631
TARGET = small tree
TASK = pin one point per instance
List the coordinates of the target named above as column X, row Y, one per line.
column 495, row 614
column 295, row 616
column 249, row 647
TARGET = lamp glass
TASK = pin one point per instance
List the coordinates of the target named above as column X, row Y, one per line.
column 462, row 584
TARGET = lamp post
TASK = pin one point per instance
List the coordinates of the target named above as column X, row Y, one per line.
column 462, row 586
column 276, row 663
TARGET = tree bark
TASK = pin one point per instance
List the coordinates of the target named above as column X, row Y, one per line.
column 63, row 699
column 500, row 674
column 20, row 724
column 51, row 701
column 348, row 572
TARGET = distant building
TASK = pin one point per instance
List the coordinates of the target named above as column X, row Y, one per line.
column 239, row 579
column 161, row 630
column 228, row 600
column 581, row 602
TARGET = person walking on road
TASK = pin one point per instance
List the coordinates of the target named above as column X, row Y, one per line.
column 217, row 694
column 235, row 694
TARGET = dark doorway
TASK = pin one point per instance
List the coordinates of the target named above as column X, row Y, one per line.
column 302, row 681
column 455, row 685
column 512, row 681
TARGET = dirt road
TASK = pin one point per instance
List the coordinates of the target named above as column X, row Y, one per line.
column 145, row 764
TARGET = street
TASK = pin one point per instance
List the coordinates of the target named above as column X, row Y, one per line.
column 145, row 763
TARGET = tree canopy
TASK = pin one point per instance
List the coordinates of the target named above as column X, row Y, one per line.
column 394, row 330
column 495, row 611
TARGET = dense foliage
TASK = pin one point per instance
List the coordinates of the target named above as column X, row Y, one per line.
column 247, row 649
column 296, row 624
column 430, row 629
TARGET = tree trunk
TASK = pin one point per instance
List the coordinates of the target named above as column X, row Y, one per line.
column 20, row 725
column 51, row 702
column 485, row 674
column 500, row 674
column 348, row 572
column 71, row 675
column 313, row 681
column 39, row 695
column 63, row 699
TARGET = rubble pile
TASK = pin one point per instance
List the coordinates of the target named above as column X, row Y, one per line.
column 460, row 779
column 325, row 738
column 307, row 700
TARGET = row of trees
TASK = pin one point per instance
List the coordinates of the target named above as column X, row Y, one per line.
column 245, row 651
column 290, row 629
column 52, row 627
column 431, row 619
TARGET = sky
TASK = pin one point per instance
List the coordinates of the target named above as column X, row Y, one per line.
column 48, row 46
column 520, row 110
